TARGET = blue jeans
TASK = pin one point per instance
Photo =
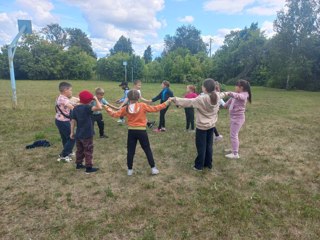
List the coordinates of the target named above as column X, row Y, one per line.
column 67, row 142
column 204, row 142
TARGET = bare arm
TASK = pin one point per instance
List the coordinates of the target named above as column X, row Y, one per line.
column 112, row 106
column 126, row 100
column 98, row 107
column 73, row 125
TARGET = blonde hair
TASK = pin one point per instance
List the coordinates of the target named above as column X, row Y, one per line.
column 99, row 90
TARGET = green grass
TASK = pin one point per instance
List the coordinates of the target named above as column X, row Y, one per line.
column 271, row 193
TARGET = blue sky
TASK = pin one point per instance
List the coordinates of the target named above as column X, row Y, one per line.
column 145, row 22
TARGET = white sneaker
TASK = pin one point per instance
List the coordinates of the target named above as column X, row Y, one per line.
column 73, row 154
column 218, row 138
column 130, row 172
column 232, row 156
column 154, row 171
column 119, row 121
column 64, row 159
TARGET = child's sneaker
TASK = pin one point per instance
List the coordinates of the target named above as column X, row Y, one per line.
column 154, row 171
column 80, row 166
column 232, row 156
column 196, row 169
column 130, row 172
column 163, row 129
column 218, row 138
column 121, row 121
column 157, row 130
column 151, row 124
column 64, row 159
column 91, row 170
column 104, row 136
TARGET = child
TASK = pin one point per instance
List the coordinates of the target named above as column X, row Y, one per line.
column 137, row 121
column 62, row 119
column 82, row 118
column 125, row 88
column 137, row 86
column 191, row 93
column 97, row 115
column 207, row 107
column 164, row 95
column 237, row 107
column 218, row 137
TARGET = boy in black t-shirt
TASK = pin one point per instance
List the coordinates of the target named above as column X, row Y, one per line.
column 81, row 117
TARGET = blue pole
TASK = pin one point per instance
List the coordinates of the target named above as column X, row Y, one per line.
column 11, row 51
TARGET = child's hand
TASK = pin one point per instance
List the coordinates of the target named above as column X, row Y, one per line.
column 72, row 135
column 95, row 98
column 172, row 99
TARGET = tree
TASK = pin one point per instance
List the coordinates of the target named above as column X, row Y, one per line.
column 147, row 55
column 77, row 38
column 123, row 45
column 186, row 37
column 55, row 34
column 241, row 55
column 297, row 37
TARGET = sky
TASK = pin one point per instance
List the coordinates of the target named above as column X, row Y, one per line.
column 145, row 22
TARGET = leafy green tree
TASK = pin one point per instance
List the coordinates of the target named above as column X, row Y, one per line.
column 241, row 54
column 54, row 33
column 297, row 37
column 123, row 45
column 185, row 37
column 77, row 64
column 147, row 55
column 77, row 38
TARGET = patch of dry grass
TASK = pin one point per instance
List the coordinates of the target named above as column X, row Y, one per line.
column 271, row 193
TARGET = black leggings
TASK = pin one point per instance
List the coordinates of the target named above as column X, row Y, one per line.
column 98, row 118
column 162, row 122
column 189, row 118
column 133, row 137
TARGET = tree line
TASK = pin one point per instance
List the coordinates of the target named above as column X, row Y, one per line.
column 290, row 59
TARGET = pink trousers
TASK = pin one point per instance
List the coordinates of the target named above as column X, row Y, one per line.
column 236, row 123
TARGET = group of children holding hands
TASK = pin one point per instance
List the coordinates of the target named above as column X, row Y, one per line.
column 75, row 119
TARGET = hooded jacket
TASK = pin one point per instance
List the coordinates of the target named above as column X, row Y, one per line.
column 136, row 114
column 206, row 112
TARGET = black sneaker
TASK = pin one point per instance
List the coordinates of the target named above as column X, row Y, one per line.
column 91, row 170
column 104, row 136
column 151, row 124
column 80, row 166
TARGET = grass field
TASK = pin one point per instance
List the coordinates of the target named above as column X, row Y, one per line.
column 272, row 192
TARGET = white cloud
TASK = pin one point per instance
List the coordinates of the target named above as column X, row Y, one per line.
column 217, row 40
column 186, row 19
column 109, row 19
column 38, row 11
column 254, row 7
column 267, row 27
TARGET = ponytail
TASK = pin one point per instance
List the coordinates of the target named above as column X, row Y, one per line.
column 209, row 85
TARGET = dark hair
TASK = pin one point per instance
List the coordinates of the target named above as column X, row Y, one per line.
column 133, row 95
column 136, row 82
column 246, row 87
column 210, row 85
column 166, row 83
column 64, row 86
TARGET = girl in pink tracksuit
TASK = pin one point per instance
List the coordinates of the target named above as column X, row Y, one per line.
column 237, row 107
